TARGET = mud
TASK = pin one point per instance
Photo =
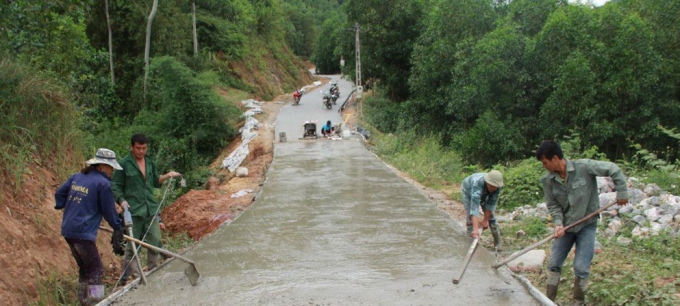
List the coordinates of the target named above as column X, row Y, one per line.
column 333, row 225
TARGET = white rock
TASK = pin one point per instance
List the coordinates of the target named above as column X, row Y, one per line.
column 654, row 201
column 656, row 228
column 665, row 219
column 625, row 209
column 639, row 231
column 241, row 172
column 608, row 232
column 623, row 241
column 652, row 190
column 531, row 261
column 607, row 198
column 605, row 184
column 542, row 205
column 652, row 214
column 615, row 225
column 635, row 196
column 639, row 219
column 676, row 218
column 644, row 204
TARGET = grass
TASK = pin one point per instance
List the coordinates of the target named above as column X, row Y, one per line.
column 647, row 272
column 55, row 290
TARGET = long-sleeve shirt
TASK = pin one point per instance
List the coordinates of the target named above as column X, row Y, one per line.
column 130, row 185
column 576, row 196
column 85, row 198
column 475, row 192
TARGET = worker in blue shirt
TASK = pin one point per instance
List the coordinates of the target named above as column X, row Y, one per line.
column 85, row 198
column 327, row 129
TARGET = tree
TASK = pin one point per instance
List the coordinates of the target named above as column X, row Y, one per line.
column 193, row 26
column 147, row 47
column 108, row 26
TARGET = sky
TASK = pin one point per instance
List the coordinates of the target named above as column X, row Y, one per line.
column 595, row 2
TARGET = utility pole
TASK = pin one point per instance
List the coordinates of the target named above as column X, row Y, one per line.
column 358, row 66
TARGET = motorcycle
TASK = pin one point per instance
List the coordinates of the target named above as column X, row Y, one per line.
column 296, row 100
column 327, row 102
column 334, row 98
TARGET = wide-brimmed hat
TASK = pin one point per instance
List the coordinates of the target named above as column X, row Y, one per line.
column 105, row 156
column 494, row 178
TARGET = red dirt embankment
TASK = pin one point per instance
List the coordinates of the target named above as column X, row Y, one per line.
column 200, row 212
column 32, row 248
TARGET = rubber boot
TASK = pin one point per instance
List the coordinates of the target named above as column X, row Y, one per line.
column 496, row 233
column 82, row 293
column 151, row 260
column 553, row 282
column 95, row 294
column 580, row 287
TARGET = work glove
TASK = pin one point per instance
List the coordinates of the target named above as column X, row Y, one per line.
column 118, row 242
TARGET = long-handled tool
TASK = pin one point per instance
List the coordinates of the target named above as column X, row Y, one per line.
column 537, row 244
column 127, row 218
column 191, row 271
column 471, row 250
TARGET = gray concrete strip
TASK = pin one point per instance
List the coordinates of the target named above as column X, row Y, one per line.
column 333, row 225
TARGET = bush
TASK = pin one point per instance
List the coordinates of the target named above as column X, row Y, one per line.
column 522, row 184
column 490, row 141
column 383, row 114
column 185, row 119
column 38, row 122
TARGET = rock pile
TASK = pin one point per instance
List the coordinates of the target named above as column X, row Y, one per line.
column 650, row 211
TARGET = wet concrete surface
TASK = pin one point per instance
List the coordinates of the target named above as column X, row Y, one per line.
column 332, row 226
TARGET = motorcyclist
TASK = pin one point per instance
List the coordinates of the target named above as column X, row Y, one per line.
column 327, row 129
column 326, row 97
column 296, row 95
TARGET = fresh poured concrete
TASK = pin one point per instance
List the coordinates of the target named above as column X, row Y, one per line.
column 332, row 226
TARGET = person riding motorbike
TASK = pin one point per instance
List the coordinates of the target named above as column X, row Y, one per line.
column 296, row 96
column 327, row 129
column 327, row 100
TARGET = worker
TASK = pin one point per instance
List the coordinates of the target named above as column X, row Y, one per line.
column 327, row 129
column 571, row 193
column 85, row 198
column 480, row 196
column 133, row 189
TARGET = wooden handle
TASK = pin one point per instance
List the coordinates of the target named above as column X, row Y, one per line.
column 148, row 246
column 546, row 239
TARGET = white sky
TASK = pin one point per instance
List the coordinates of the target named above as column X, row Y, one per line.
column 595, row 2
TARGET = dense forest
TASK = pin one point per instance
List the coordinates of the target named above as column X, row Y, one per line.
column 491, row 79
column 82, row 74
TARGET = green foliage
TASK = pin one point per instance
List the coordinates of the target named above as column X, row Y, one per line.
column 383, row 114
column 186, row 120
column 490, row 140
column 176, row 242
column 643, row 273
column 423, row 158
column 387, row 37
column 522, row 184
column 38, row 122
column 326, row 54
column 56, row 290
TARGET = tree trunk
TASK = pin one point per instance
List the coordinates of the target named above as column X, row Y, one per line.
column 108, row 25
column 147, row 47
column 193, row 22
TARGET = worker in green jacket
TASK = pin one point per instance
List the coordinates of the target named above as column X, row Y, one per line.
column 571, row 193
column 133, row 189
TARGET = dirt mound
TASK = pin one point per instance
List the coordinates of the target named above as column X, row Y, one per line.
column 32, row 246
column 201, row 212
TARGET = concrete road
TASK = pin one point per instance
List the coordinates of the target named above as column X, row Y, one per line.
column 332, row 226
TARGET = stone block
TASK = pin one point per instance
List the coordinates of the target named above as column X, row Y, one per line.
column 532, row 261
column 241, row 172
